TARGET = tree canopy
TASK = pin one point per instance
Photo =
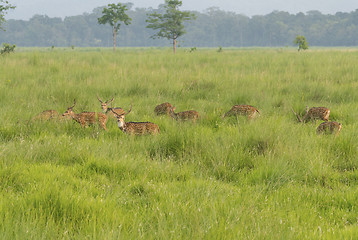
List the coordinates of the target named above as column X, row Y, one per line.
column 114, row 15
column 4, row 7
column 301, row 42
column 212, row 28
column 170, row 23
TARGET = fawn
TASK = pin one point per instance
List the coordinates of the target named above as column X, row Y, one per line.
column 246, row 110
column 136, row 128
column 106, row 109
column 329, row 127
column 313, row 114
column 163, row 109
column 187, row 115
column 86, row 118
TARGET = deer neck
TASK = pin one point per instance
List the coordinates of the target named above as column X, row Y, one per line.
column 108, row 110
column 173, row 114
column 122, row 125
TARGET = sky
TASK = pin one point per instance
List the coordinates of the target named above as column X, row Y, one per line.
column 61, row 8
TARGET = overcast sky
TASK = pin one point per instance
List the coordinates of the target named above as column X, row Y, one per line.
column 60, row 8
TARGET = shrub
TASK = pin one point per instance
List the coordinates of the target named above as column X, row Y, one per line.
column 7, row 48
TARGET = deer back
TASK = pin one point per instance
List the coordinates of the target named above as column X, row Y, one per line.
column 46, row 115
column 329, row 127
column 163, row 109
column 246, row 110
column 89, row 118
column 141, row 128
column 315, row 113
column 118, row 111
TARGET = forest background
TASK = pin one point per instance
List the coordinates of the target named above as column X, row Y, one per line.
column 212, row 28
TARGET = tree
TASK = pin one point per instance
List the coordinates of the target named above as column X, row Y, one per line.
column 4, row 6
column 170, row 23
column 114, row 15
column 301, row 42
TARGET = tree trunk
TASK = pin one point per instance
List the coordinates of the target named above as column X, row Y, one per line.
column 174, row 43
column 114, row 40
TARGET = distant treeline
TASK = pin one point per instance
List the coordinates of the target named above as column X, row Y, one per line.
column 212, row 28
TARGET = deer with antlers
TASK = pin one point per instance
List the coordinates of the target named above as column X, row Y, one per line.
column 186, row 115
column 246, row 110
column 329, row 127
column 163, row 109
column 313, row 114
column 135, row 128
column 86, row 118
column 106, row 109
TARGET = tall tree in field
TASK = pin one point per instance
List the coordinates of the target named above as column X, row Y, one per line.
column 4, row 7
column 301, row 42
column 170, row 23
column 114, row 15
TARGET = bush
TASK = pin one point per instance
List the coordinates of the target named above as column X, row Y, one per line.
column 7, row 48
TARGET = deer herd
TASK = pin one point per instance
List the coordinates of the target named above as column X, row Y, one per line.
column 142, row 128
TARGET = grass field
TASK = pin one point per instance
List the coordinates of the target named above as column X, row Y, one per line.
column 271, row 178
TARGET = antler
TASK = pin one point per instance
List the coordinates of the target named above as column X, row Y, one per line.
column 117, row 115
column 74, row 103
column 110, row 100
column 99, row 98
column 298, row 116
column 130, row 108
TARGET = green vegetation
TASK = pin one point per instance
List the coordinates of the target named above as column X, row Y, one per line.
column 114, row 15
column 271, row 178
column 4, row 7
column 170, row 24
column 301, row 42
column 211, row 28
column 7, row 48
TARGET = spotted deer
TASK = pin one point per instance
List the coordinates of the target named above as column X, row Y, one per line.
column 106, row 109
column 246, row 110
column 329, row 127
column 314, row 114
column 163, row 109
column 46, row 115
column 86, row 118
column 187, row 115
column 135, row 128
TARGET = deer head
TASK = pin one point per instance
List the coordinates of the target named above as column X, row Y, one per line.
column 104, row 105
column 69, row 111
column 121, row 117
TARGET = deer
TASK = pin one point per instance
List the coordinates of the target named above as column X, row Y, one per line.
column 314, row 114
column 329, row 127
column 86, row 118
column 106, row 109
column 135, row 128
column 46, row 115
column 186, row 115
column 163, row 109
column 246, row 110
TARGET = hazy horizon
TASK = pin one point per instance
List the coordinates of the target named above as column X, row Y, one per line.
column 55, row 8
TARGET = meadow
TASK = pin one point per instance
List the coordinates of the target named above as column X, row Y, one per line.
column 270, row 178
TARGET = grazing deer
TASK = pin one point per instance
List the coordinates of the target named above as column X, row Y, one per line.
column 86, row 118
column 163, row 109
column 313, row 114
column 187, row 115
column 329, row 127
column 136, row 128
column 106, row 109
column 246, row 110
column 46, row 115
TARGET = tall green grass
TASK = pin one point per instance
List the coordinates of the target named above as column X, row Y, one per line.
column 217, row 179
